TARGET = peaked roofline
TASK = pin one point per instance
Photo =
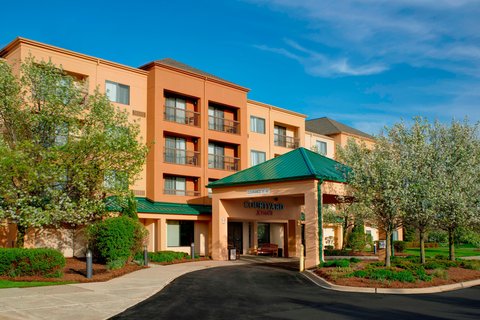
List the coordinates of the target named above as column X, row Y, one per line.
column 335, row 123
column 212, row 78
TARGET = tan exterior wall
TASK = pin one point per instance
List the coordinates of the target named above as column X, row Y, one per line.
column 343, row 138
column 294, row 122
column 163, row 79
column 311, row 142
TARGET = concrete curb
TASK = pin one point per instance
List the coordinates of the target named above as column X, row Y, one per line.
column 319, row 281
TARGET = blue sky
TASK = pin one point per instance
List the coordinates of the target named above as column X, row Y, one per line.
column 365, row 63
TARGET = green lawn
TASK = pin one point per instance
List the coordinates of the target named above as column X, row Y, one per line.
column 459, row 252
column 23, row 284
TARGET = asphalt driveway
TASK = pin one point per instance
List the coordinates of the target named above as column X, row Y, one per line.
column 278, row 292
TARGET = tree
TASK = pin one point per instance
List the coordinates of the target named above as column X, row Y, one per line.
column 376, row 178
column 456, row 165
column 62, row 151
column 412, row 144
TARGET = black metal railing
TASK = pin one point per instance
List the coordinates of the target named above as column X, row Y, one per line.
column 188, row 193
column 182, row 116
column 222, row 124
column 286, row 141
column 181, row 156
column 223, row 162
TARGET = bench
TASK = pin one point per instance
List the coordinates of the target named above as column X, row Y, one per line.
column 268, row 248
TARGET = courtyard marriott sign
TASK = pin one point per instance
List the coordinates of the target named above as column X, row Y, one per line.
column 263, row 208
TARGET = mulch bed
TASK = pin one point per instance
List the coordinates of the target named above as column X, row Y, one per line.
column 455, row 275
column 75, row 271
column 181, row 261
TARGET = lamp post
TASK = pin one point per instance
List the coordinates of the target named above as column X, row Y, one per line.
column 89, row 264
column 145, row 255
column 192, row 250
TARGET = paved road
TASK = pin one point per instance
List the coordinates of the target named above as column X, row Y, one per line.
column 277, row 292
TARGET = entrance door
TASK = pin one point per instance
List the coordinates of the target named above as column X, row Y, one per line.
column 235, row 236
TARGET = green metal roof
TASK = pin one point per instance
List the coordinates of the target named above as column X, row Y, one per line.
column 298, row 164
column 145, row 205
column 148, row 206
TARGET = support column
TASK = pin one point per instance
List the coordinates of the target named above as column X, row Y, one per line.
column 255, row 235
column 313, row 232
column 150, row 226
column 219, row 231
column 294, row 239
column 161, row 238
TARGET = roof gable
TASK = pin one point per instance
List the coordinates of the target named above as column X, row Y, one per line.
column 327, row 126
column 299, row 164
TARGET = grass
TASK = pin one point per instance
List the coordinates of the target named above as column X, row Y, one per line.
column 431, row 252
column 4, row 284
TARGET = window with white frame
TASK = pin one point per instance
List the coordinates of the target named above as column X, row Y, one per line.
column 257, row 124
column 257, row 157
column 175, row 185
column 117, row 92
column 321, row 147
column 180, row 233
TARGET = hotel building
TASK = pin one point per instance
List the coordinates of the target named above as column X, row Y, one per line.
column 264, row 183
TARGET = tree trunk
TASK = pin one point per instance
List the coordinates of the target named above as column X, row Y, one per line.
column 21, row 231
column 451, row 244
column 422, row 247
column 388, row 248
column 345, row 233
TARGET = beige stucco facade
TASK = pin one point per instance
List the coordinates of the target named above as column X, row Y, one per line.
column 312, row 139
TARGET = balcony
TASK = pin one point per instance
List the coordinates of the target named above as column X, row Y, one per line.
column 224, row 125
column 286, row 141
column 181, row 156
column 188, row 193
column 223, row 162
column 182, row 116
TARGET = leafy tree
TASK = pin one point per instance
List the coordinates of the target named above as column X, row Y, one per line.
column 357, row 240
column 62, row 151
column 377, row 181
column 456, row 165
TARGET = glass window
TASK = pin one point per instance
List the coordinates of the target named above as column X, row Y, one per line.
column 263, row 233
column 216, row 156
column 321, row 147
column 257, row 157
column 180, row 233
column 216, row 117
column 175, row 186
column 257, row 124
column 175, row 150
column 175, row 109
column 117, row 92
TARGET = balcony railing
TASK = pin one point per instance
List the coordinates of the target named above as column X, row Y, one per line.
column 181, row 156
column 223, row 162
column 182, row 116
column 187, row 193
column 222, row 124
column 286, row 141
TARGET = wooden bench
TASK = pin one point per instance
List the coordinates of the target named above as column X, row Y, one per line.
column 268, row 248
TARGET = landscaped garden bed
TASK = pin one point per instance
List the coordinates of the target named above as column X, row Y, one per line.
column 172, row 257
column 405, row 272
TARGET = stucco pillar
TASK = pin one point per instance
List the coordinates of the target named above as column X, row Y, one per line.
column 150, row 226
column 161, row 237
column 312, row 230
column 294, row 238
column 219, row 231
column 338, row 237
column 255, row 235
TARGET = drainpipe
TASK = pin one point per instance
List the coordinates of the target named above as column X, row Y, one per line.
column 320, row 220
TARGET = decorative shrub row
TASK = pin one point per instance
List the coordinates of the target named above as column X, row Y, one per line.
column 385, row 274
column 416, row 244
column 115, row 241
column 16, row 262
column 336, row 252
column 340, row 263
column 166, row 256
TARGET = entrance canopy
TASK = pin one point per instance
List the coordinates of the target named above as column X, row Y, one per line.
column 299, row 164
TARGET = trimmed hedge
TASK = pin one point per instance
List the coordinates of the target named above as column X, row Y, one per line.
column 17, row 262
column 166, row 256
column 342, row 263
column 115, row 241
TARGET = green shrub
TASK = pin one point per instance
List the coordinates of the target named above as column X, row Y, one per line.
column 354, row 260
column 336, row 252
column 382, row 274
column 342, row 263
column 399, row 246
column 166, row 256
column 44, row 262
column 357, row 240
column 115, row 241
column 470, row 264
column 440, row 273
column 403, row 276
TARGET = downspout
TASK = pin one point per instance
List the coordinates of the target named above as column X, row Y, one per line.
column 320, row 220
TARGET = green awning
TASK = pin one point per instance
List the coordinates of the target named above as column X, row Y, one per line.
column 147, row 206
column 299, row 164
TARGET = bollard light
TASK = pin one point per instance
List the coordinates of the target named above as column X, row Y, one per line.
column 89, row 264
column 145, row 255
column 192, row 250
column 302, row 259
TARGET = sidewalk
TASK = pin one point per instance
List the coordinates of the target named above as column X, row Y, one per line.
column 99, row 300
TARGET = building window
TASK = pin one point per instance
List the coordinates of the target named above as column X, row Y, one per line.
column 257, row 157
column 180, row 233
column 263, row 231
column 175, row 186
column 216, row 156
column 175, row 150
column 257, row 124
column 321, row 147
column 117, row 92
column 175, row 109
